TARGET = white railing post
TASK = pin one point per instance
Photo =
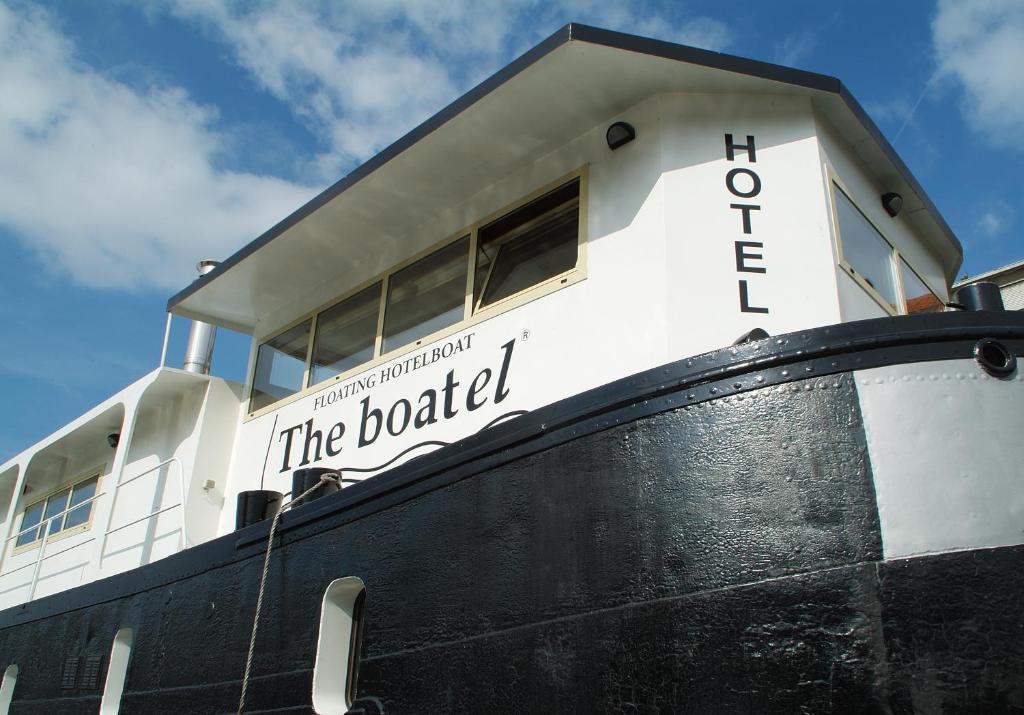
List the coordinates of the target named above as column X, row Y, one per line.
column 39, row 558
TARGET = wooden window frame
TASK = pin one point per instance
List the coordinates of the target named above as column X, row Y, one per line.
column 472, row 314
column 895, row 255
column 96, row 474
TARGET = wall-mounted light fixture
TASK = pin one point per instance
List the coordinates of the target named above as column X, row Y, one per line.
column 112, row 439
column 618, row 134
column 892, row 203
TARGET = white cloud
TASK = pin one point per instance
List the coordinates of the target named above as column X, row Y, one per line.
column 362, row 74
column 995, row 219
column 792, row 50
column 127, row 186
column 117, row 187
column 980, row 45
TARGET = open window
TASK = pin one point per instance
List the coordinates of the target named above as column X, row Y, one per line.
column 337, row 650
column 528, row 246
column 515, row 255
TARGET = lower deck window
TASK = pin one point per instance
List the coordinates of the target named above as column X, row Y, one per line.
column 49, row 510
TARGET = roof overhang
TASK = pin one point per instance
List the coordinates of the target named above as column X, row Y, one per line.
column 586, row 73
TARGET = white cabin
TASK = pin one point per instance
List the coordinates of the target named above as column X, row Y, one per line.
column 500, row 257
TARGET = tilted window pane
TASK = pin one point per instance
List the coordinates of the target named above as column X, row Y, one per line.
column 865, row 250
column 528, row 246
column 919, row 297
column 280, row 365
column 81, row 492
column 55, row 505
column 345, row 335
column 427, row 296
column 33, row 515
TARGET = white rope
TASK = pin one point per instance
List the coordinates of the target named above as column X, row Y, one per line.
column 324, row 478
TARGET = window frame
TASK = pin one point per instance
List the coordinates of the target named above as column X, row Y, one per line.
column 895, row 255
column 96, row 474
column 471, row 313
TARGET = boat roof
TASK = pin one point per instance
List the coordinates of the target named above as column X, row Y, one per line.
column 587, row 74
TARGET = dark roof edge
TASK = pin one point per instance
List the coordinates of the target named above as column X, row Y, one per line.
column 597, row 36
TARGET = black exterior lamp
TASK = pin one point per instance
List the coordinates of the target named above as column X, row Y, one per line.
column 892, row 203
column 618, row 134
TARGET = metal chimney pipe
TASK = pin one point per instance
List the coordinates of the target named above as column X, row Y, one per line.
column 201, row 338
column 980, row 296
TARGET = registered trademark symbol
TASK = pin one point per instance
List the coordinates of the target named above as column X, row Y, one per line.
column 526, row 335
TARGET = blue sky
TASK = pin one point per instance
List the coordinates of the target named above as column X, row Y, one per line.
column 137, row 138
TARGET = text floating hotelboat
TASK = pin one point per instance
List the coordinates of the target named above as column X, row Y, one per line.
column 574, row 479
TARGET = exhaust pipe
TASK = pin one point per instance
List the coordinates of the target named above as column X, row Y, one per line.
column 201, row 338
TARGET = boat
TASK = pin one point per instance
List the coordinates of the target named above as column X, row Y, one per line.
column 629, row 382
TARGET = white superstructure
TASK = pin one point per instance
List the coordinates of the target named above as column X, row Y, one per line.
column 751, row 197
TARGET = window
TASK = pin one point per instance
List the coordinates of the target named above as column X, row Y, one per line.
column 427, row 296
column 336, row 668
column 876, row 266
column 918, row 298
column 864, row 251
column 280, row 366
column 528, row 246
column 50, row 510
column 345, row 335
column 117, row 672
column 522, row 253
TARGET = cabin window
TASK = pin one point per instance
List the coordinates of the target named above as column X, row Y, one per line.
column 117, row 672
column 428, row 296
column 528, row 246
column 7, row 688
column 67, row 511
column 519, row 254
column 280, row 366
column 865, row 252
column 917, row 297
column 337, row 650
column 346, row 335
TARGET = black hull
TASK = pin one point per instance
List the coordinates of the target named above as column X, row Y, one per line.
column 699, row 538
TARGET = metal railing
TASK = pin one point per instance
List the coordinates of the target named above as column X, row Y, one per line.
column 45, row 524
column 182, row 533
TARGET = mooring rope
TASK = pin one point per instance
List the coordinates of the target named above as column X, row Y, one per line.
column 324, row 478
